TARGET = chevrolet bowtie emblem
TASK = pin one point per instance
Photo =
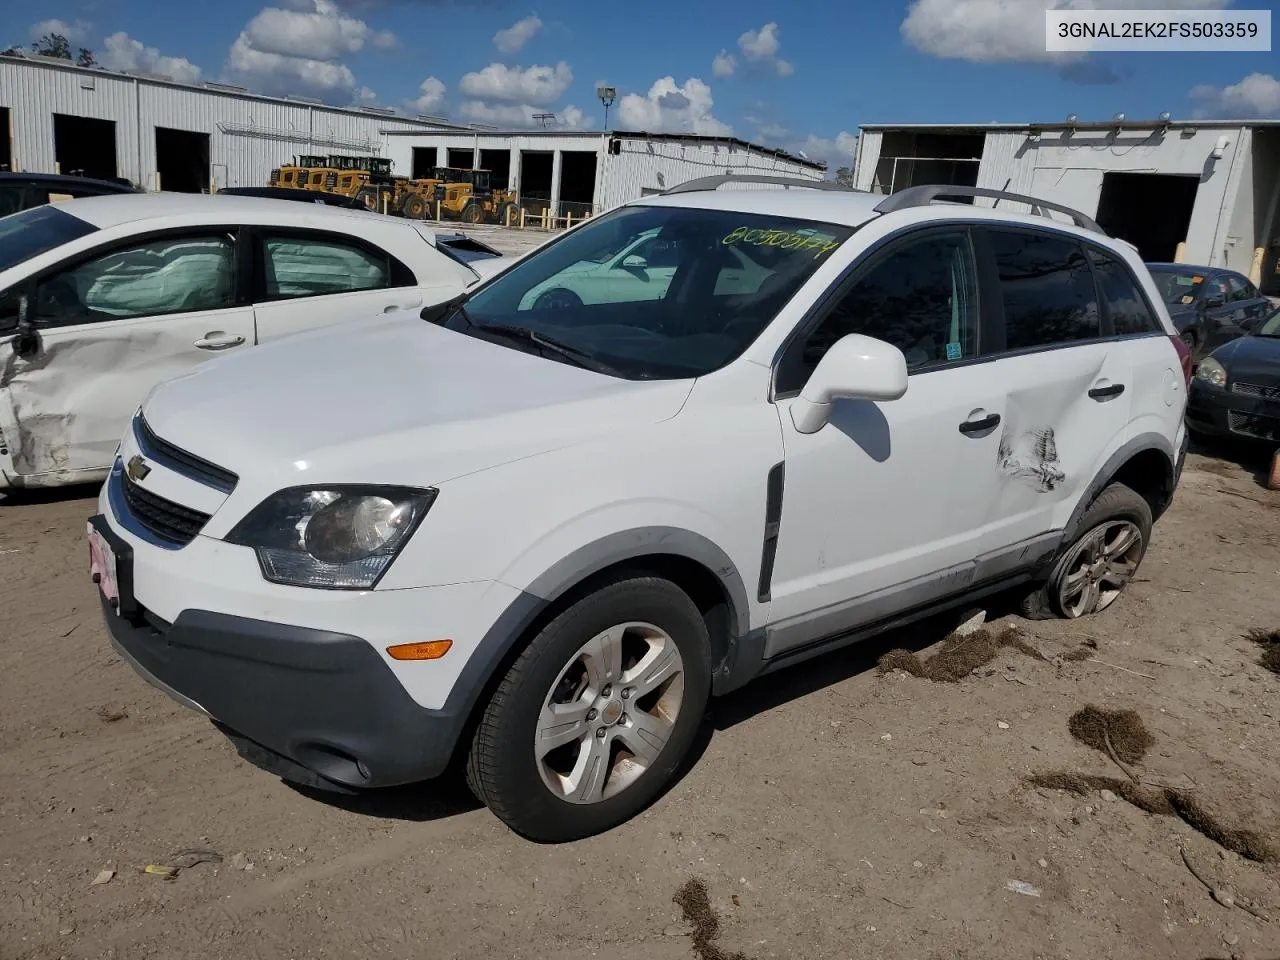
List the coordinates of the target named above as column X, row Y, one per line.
column 137, row 468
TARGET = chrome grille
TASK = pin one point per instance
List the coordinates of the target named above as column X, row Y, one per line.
column 163, row 519
column 180, row 461
column 1256, row 390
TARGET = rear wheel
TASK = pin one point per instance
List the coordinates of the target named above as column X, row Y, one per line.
column 594, row 717
column 369, row 197
column 1103, row 560
column 472, row 212
column 414, row 207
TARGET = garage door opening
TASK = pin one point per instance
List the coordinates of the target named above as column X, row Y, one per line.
column 462, row 159
column 6, row 140
column 424, row 163
column 535, row 180
column 84, row 147
column 182, row 160
column 577, row 182
column 1150, row 210
column 912, row 159
column 498, row 163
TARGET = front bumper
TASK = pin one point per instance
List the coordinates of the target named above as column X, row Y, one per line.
column 309, row 705
column 1224, row 413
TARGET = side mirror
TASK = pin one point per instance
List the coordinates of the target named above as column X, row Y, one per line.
column 26, row 342
column 856, row 367
column 635, row 262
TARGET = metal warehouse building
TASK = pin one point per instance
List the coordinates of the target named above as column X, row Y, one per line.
column 58, row 117
column 1202, row 192
column 579, row 173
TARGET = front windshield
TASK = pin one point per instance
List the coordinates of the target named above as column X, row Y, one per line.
column 1177, row 288
column 656, row 292
column 30, row 233
column 1269, row 327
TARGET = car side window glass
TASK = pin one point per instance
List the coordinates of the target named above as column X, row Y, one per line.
column 163, row 276
column 9, row 310
column 1047, row 289
column 1127, row 307
column 317, row 266
column 921, row 295
column 1238, row 289
column 1216, row 292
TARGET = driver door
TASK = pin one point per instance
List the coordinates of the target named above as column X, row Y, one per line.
column 107, row 328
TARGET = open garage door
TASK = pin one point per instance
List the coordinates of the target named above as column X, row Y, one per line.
column 84, row 146
column 1150, row 210
column 182, row 160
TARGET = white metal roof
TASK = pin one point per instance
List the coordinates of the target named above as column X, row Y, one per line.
column 828, row 206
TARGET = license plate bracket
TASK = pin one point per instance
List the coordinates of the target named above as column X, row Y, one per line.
column 111, row 567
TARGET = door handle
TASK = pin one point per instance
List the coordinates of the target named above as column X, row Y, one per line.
column 216, row 340
column 978, row 426
column 1106, row 393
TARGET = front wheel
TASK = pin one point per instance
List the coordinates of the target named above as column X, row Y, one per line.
column 596, row 714
column 1103, row 560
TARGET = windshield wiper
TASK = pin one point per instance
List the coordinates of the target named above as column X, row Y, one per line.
column 575, row 355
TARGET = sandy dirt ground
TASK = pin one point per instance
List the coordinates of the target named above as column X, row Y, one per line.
column 830, row 811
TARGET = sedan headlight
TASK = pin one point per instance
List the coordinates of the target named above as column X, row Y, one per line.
column 1211, row 371
column 333, row 537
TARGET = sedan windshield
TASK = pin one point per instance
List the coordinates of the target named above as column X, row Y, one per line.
column 30, row 233
column 1177, row 288
column 652, row 292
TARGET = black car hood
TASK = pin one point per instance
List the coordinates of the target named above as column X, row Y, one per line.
column 1252, row 359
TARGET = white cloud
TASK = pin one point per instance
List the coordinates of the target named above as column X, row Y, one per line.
column 364, row 97
column 431, row 96
column 121, row 52
column 298, row 48
column 989, row 31
column 760, row 48
column 278, row 74
column 521, row 116
column 321, row 32
column 530, row 85
column 514, row 37
column 668, row 108
column 837, row 151
column 76, row 32
column 724, row 65
column 1257, row 96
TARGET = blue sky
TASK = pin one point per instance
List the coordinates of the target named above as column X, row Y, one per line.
column 800, row 75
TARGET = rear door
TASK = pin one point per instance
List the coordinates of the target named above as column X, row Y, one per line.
column 110, row 325
column 1067, row 391
column 305, row 279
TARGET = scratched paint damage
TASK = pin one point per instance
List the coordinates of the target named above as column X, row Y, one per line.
column 1032, row 457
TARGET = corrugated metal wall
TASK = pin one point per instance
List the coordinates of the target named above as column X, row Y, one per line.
column 650, row 166
column 248, row 135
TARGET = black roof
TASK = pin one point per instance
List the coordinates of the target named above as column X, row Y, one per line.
column 114, row 185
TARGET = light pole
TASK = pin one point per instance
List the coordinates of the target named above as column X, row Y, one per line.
column 607, row 95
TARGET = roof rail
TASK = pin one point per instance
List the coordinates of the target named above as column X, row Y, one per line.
column 927, row 193
column 713, row 183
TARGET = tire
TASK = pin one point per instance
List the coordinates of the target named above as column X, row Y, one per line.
column 549, row 794
column 1111, row 561
column 369, row 197
column 501, row 217
column 557, row 298
column 414, row 207
column 472, row 212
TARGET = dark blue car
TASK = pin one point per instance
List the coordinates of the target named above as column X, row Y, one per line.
column 1208, row 305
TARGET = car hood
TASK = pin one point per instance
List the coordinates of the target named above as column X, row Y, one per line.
column 488, row 266
column 398, row 400
column 1252, row 359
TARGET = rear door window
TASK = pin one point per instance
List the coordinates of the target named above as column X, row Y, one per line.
column 1126, row 306
column 306, row 265
column 1047, row 289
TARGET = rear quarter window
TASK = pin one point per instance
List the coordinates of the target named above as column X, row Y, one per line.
column 1126, row 306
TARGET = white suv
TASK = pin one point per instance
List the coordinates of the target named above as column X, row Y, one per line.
column 537, row 536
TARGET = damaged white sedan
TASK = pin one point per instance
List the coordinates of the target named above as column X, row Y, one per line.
column 102, row 298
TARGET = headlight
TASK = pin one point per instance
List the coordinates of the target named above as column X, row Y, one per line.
column 1211, row 371
column 334, row 537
